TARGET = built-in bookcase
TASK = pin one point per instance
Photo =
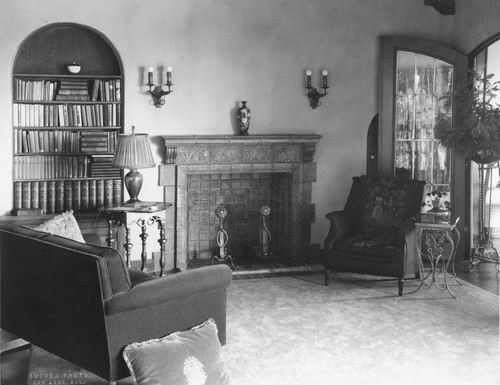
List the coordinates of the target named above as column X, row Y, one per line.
column 66, row 126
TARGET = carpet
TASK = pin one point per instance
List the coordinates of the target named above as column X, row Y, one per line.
column 294, row 330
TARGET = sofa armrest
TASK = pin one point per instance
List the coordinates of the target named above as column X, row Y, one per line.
column 153, row 292
column 340, row 227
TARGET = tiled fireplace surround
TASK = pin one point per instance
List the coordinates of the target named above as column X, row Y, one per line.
column 203, row 172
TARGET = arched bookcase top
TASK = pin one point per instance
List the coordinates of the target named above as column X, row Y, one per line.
column 49, row 49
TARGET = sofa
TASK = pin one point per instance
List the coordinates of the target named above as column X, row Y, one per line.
column 80, row 302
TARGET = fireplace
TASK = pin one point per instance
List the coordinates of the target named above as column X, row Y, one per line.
column 241, row 174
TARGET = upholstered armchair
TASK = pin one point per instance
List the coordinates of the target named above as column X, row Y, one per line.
column 373, row 233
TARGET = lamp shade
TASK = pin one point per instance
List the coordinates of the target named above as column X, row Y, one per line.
column 133, row 151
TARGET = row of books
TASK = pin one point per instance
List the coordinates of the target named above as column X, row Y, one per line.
column 50, row 167
column 67, row 115
column 97, row 141
column 34, row 89
column 74, row 89
column 104, row 90
column 101, row 166
column 32, row 141
column 63, row 195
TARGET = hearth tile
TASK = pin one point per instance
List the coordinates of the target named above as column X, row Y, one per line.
column 194, row 185
column 205, row 195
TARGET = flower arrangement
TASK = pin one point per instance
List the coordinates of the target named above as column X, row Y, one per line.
column 477, row 128
column 437, row 201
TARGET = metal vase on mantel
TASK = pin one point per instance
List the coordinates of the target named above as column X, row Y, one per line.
column 243, row 118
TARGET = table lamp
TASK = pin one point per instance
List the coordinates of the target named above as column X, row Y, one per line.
column 133, row 152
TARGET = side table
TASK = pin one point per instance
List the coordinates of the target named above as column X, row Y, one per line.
column 437, row 241
column 152, row 213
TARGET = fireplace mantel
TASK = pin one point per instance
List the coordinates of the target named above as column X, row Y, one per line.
column 227, row 149
column 205, row 156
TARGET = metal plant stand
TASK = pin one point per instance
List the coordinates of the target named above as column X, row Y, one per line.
column 484, row 250
column 222, row 238
column 439, row 244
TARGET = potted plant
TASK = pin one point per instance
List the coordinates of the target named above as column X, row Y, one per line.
column 476, row 126
column 437, row 207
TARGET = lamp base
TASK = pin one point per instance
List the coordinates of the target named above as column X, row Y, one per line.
column 133, row 184
column 133, row 204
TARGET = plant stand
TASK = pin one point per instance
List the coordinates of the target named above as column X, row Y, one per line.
column 484, row 250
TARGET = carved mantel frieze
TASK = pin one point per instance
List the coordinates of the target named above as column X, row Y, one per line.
column 226, row 149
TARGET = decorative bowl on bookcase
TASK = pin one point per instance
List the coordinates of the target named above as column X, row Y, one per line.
column 74, row 68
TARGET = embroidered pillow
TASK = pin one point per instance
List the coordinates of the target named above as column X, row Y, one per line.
column 191, row 357
column 64, row 225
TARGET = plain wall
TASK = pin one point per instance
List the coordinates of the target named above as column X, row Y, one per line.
column 224, row 51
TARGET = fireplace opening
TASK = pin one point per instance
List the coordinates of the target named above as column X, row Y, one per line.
column 242, row 195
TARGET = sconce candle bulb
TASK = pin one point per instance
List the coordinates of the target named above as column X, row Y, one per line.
column 325, row 78
column 150, row 76
column 157, row 92
column 312, row 93
column 169, row 75
column 308, row 78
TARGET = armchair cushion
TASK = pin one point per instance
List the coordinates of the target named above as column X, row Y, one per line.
column 193, row 356
column 64, row 225
column 376, row 245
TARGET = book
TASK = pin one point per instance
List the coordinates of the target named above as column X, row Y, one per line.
column 95, row 90
column 68, row 195
column 27, row 212
column 84, row 195
column 108, row 193
column 34, row 194
column 84, row 98
column 42, row 195
column 51, row 197
column 26, row 195
column 59, row 197
column 100, row 193
column 92, row 194
column 17, row 195
column 73, row 91
column 76, row 195
column 117, row 192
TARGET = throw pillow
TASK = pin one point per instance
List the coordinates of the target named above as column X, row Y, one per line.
column 191, row 357
column 64, row 225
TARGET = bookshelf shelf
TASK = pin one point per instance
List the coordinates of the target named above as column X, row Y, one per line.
column 66, row 126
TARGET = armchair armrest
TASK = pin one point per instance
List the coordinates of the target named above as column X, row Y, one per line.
column 406, row 228
column 340, row 227
column 153, row 292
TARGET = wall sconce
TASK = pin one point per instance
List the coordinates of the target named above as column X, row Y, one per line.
column 157, row 92
column 312, row 93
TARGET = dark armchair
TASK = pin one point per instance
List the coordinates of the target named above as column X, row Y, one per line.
column 373, row 233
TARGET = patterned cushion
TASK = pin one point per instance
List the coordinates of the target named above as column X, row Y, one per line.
column 191, row 357
column 64, row 225
column 386, row 202
column 377, row 245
